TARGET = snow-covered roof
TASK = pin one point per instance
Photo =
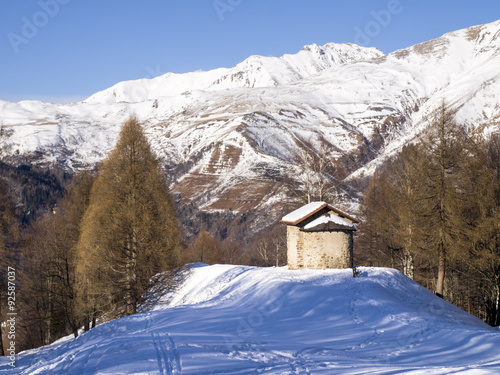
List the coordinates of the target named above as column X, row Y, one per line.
column 302, row 213
column 324, row 220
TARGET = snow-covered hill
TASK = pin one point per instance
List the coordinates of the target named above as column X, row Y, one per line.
column 227, row 135
column 248, row 320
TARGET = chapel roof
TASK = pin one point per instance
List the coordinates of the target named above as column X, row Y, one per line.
column 303, row 213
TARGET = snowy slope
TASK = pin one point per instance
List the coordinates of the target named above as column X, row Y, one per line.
column 248, row 320
column 227, row 135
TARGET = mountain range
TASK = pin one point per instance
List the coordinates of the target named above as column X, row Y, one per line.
column 226, row 136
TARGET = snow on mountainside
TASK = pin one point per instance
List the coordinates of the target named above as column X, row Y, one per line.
column 229, row 319
column 256, row 71
column 227, row 135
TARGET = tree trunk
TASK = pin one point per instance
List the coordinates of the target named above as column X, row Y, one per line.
column 441, row 194
column 441, row 271
column 86, row 323
column 408, row 264
column 131, row 277
column 48, row 320
column 94, row 318
column 393, row 262
column 407, row 255
column 497, row 305
column 74, row 327
column 128, row 277
column 2, row 353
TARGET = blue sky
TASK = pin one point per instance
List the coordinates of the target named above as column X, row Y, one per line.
column 66, row 50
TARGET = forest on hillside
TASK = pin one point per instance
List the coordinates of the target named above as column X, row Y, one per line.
column 433, row 211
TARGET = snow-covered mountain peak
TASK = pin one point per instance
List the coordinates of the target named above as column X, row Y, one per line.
column 482, row 41
column 255, row 71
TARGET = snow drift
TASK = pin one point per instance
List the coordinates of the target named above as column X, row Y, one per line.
column 246, row 320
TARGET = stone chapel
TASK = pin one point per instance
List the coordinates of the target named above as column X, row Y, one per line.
column 319, row 236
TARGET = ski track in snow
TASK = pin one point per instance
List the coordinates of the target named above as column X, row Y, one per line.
column 167, row 353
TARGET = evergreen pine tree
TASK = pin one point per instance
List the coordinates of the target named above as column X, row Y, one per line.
column 48, row 267
column 129, row 232
column 392, row 214
column 445, row 148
